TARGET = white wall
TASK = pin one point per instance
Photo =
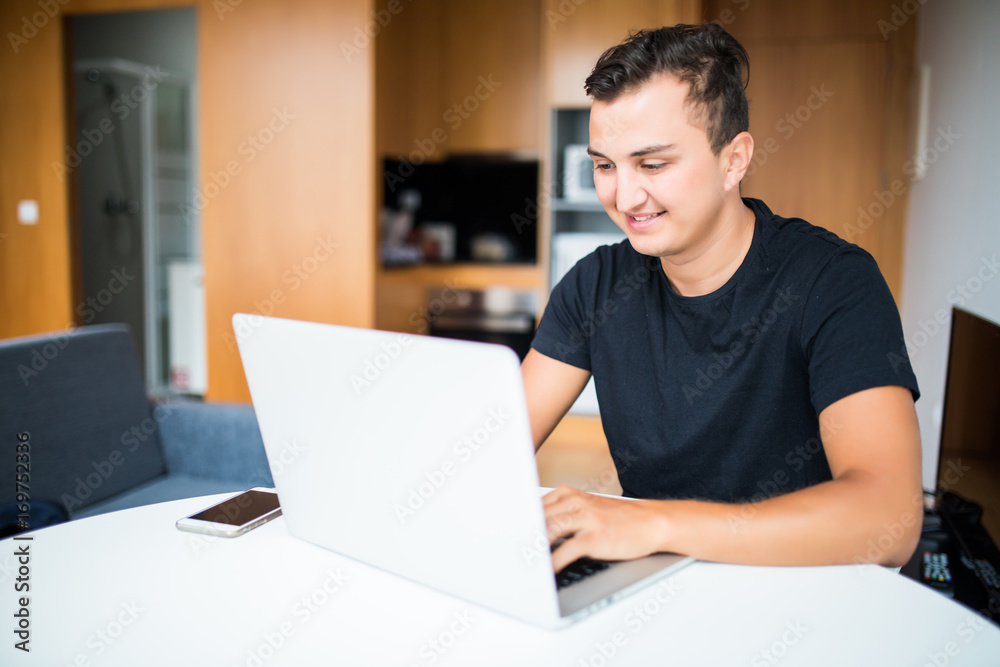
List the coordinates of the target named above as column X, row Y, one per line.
column 953, row 232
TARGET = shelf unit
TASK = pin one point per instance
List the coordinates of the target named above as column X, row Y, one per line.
column 578, row 226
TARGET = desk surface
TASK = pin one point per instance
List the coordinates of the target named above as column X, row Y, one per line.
column 127, row 588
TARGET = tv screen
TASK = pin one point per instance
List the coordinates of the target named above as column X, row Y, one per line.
column 481, row 197
column 969, row 460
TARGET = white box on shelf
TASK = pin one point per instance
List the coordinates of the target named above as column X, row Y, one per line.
column 578, row 174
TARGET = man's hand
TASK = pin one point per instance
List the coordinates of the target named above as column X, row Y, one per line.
column 601, row 527
column 869, row 512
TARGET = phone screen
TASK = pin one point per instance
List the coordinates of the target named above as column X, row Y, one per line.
column 242, row 509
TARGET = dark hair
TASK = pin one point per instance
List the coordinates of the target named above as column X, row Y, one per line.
column 705, row 57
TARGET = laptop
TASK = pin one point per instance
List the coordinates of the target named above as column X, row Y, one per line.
column 414, row 455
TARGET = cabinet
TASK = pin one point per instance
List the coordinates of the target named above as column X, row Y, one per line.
column 574, row 35
column 578, row 220
column 454, row 77
column 576, row 32
column 458, row 76
column 830, row 115
column 491, row 64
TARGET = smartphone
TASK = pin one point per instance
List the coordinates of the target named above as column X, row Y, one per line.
column 235, row 516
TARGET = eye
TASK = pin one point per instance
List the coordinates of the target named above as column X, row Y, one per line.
column 654, row 166
column 603, row 166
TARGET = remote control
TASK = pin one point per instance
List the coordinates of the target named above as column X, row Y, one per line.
column 936, row 571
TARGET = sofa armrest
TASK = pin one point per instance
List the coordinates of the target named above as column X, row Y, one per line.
column 219, row 441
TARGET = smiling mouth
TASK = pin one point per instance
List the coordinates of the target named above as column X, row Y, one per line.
column 643, row 219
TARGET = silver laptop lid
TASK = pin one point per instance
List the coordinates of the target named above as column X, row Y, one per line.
column 409, row 453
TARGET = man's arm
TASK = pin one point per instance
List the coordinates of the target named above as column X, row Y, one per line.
column 550, row 387
column 869, row 512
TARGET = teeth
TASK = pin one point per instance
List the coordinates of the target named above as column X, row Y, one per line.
column 647, row 217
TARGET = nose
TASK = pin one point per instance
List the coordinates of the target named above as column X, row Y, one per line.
column 630, row 192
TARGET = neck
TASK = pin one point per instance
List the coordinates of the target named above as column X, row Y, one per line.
column 705, row 269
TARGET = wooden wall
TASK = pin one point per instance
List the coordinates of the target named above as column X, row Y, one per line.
column 434, row 55
column 576, row 33
column 289, row 233
column 266, row 234
column 830, row 113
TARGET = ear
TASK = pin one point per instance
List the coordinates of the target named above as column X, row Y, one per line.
column 736, row 159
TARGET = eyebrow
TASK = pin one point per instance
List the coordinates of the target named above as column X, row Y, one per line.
column 659, row 148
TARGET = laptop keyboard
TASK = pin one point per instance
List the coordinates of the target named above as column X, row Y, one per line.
column 579, row 570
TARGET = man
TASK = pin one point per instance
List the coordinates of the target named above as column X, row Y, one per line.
column 747, row 363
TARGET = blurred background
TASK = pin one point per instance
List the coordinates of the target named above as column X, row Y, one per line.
column 413, row 165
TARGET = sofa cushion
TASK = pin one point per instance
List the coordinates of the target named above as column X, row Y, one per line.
column 79, row 400
column 213, row 440
column 160, row 490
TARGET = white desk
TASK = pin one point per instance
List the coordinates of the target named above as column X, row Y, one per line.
column 129, row 589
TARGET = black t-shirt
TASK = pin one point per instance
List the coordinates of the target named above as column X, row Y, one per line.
column 717, row 397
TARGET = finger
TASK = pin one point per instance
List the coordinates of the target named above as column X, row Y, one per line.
column 569, row 551
column 558, row 494
column 561, row 526
column 572, row 502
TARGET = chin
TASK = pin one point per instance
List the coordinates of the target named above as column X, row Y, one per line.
column 653, row 247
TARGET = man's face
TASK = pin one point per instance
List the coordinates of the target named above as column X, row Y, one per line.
column 655, row 172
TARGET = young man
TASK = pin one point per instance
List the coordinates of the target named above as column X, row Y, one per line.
column 748, row 364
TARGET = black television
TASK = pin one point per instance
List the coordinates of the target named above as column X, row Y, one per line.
column 969, row 455
column 478, row 195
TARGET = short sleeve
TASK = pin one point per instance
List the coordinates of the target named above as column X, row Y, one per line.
column 851, row 334
column 562, row 334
